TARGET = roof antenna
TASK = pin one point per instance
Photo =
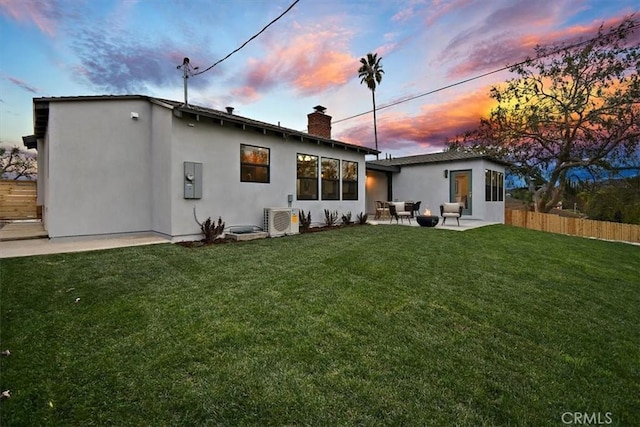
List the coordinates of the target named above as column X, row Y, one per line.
column 186, row 72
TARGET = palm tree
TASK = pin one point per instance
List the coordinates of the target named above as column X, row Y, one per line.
column 370, row 72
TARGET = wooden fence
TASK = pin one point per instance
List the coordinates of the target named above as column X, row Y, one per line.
column 18, row 200
column 573, row 226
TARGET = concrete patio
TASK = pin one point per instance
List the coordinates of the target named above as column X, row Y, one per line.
column 465, row 224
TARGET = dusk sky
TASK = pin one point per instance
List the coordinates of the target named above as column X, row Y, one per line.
column 309, row 57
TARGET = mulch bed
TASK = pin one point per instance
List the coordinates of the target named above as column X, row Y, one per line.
column 202, row 243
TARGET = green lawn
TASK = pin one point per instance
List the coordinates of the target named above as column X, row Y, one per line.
column 373, row 325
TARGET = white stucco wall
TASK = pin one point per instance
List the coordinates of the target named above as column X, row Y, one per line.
column 427, row 183
column 493, row 211
column 161, row 165
column 376, row 189
column 110, row 174
column 99, row 168
column 241, row 203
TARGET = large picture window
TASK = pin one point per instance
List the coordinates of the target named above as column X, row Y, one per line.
column 494, row 186
column 254, row 164
column 307, row 177
column 349, row 180
column 330, row 179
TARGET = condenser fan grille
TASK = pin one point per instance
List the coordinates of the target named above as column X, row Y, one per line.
column 281, row 220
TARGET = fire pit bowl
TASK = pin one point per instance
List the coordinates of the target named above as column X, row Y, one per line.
column 427, row 220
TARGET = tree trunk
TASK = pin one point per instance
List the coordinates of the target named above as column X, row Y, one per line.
column 546, row 198
column 375, row 125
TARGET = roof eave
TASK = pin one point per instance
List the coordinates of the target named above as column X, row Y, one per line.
column 41, row 119
column 262, row 126
column 398, row 162
column 30, row 141
column 382, row 168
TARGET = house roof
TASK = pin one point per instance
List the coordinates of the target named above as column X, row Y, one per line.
column 421, row 159
column 41, row 119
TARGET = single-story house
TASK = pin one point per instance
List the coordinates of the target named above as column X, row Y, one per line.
column 133, row 163
column 474, row 180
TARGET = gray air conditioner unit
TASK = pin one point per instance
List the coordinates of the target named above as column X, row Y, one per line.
column 281, row 221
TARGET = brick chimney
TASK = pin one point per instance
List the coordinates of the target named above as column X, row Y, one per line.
column 319, row 123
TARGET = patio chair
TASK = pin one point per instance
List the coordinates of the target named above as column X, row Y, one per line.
column 398, row 214
column 451, row 210
column 416, row 209
column 408, row 207
column 381, row 209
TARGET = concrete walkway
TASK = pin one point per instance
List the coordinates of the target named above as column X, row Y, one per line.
column 27, row 238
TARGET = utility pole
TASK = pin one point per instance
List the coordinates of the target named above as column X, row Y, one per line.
column 186, row 72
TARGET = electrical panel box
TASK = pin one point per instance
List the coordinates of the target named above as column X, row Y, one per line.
column 192, row 180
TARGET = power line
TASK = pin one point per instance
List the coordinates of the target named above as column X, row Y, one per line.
column 253, row 37
column 411, row 98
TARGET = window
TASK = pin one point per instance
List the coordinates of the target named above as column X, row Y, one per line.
column 307, row 174
column 254, row 164
column 330, row 179
column 487, row 185
column 494, row 186
column 349, row 180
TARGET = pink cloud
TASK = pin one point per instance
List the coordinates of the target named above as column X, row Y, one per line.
column 387, row 49
column 262, row 73
column 311, row 63
column 425, row 131
column 507, row 49
column 583, row 32
column 22, row 84
column 121, row 63
column 432, row 10
column 408, row 12
column 44, row 15
column 245, row 94
column 440, row 8
column 506, row 21
column 324, row 70
column 492, row 56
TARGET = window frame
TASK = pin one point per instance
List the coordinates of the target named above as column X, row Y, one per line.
column 326, row 181
column 266, row 166
column 494, row 186
column 304, row 181
column 346, row 183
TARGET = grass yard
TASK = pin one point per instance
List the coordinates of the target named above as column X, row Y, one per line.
column 374, row 325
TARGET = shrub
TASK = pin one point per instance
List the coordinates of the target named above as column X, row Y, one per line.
column 330, row 217
column 346, row 219
column 305, row 220
column 362, row 218
column 211, row 230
